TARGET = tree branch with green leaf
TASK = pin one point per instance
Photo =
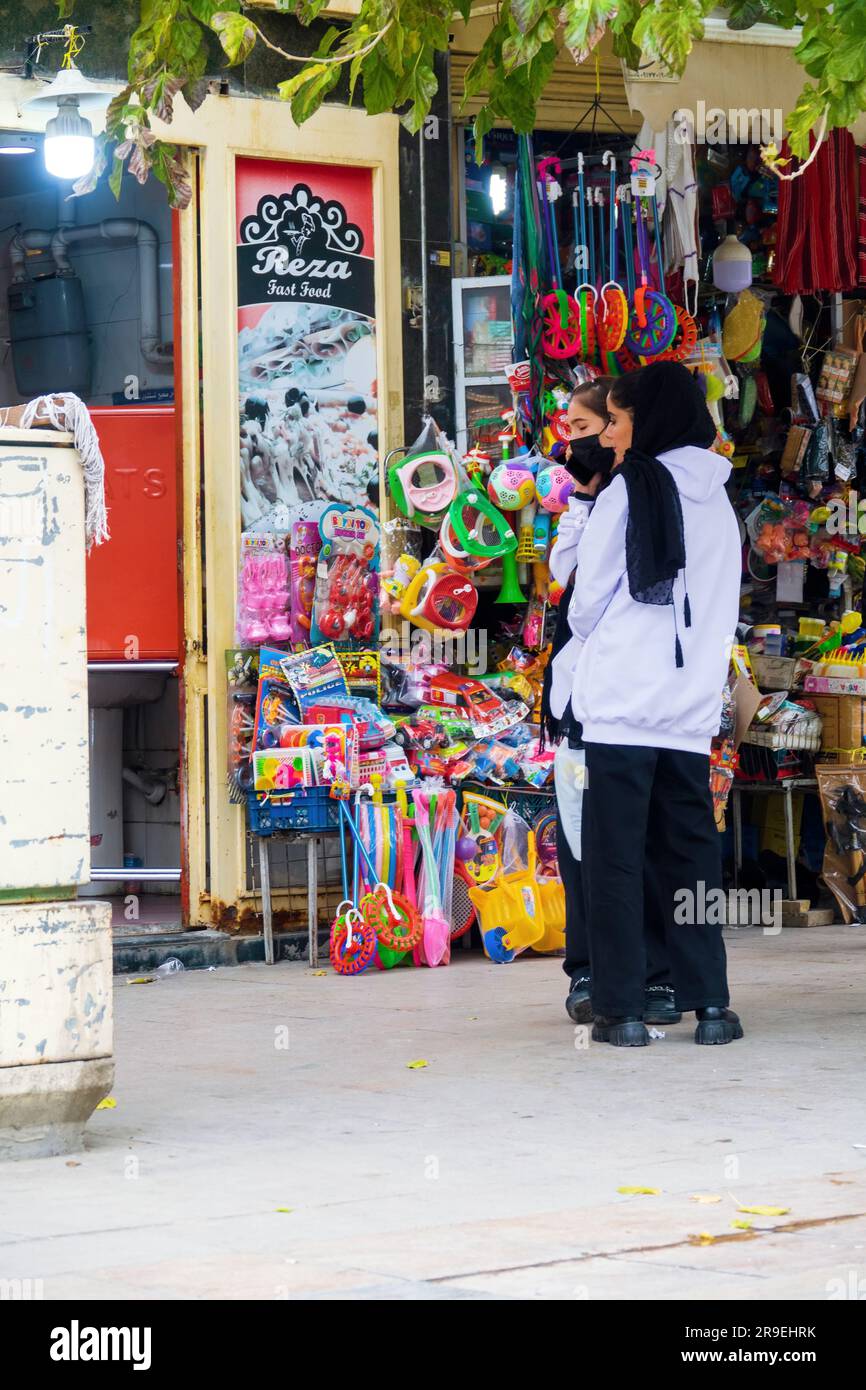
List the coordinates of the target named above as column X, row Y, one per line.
column 388, row 51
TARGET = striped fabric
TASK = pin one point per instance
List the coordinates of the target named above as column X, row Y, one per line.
column 817, row 231
column 861, row 215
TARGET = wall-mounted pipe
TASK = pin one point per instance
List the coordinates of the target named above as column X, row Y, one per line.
column 115, row 229
column 153, row 789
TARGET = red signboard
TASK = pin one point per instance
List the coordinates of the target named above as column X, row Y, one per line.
column 133, row 600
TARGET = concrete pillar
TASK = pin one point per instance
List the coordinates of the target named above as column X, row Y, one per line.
column 55, row 952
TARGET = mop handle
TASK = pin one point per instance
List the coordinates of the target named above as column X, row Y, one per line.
column 659, row 249
column 359, row 844
column 628, row 241
column 591, row 221
column 642, row 244
column 546, row 218
column 581, row 197
column 609, row 158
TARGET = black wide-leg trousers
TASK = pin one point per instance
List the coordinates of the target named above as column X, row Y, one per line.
column 650, row 807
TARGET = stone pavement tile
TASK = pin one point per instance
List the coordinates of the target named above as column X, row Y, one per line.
column 231, row 1278
column 596, row 1278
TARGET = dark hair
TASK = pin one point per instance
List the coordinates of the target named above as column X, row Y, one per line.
column 669, row 407
column 625, row 390
column 594, row 394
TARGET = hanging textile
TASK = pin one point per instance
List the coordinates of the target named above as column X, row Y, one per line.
column 817, row 226
column 861, row 214
column 677, row 198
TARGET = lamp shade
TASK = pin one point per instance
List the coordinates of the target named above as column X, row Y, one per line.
column 70, row 82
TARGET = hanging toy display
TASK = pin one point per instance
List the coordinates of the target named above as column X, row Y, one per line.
column 438, row 599
column 560, row 335
column 652, row 321
column 423, row 484
column 345, row 608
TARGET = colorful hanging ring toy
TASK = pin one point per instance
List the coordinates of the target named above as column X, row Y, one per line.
column 653, row 322
column 470, row 536
column 612, row 320
column 685, row 338
column 353, row 941
column 397, row 924
column 560, row 334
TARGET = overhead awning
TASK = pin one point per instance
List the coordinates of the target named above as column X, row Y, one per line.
column 568, row 94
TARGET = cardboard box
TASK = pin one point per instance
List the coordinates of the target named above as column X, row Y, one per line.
column 844, row 720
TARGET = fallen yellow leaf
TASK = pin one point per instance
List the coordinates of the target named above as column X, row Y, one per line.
column 285, row 1209
column 141, row 980
column 640, row 1191
column 707, row 1198
column 764, row 1211
column 108, row 1104
column 414, row 1066
column 742, row 1225
column 320, row 972
column 703, row 1238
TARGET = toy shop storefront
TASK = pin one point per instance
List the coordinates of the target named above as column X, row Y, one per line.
column 678, row 244
column 383, row 694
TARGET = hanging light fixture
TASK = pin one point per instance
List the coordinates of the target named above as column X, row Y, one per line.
column 16, row 142
column 69, row 145
column 497, row 188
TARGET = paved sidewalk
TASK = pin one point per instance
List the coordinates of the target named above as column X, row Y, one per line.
column 490, row 1173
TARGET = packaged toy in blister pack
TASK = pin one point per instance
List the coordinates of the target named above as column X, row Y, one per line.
column 263, row 590
column 345, row 608
column 276, row 706
column 242, row 669
column 304, row 546
column 374, row 727
column 363, row 673
column 313, row 674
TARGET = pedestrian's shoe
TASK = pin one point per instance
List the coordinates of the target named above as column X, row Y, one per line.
column 660, row 1006
column 717, row 1026
column 578, row 1005
column 621, row 1032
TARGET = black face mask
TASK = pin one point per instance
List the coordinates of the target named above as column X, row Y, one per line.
column 585, row 457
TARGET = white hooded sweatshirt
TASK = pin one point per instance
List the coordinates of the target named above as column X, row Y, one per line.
column 627, row 686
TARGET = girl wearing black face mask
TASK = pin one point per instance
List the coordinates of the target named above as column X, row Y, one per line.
column 590, row 464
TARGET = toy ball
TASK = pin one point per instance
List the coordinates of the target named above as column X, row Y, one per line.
column 466, row 848
column 554, row 487
column 511, row 488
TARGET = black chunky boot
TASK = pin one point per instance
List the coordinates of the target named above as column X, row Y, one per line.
column 578, row 1005
column 621, row 1032
column 660, row 1005
column 717, row 1026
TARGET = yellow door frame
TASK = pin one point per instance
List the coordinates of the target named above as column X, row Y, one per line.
column 223, row 129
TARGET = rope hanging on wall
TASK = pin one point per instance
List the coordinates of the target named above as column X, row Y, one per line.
column 68, row 412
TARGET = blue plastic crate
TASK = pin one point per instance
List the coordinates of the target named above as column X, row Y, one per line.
column 313, row 810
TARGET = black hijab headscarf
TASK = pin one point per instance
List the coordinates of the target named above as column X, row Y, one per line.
column 670, row 412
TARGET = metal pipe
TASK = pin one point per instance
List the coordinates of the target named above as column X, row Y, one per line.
column 425, row 338
column 135, row 875
column 60, row 239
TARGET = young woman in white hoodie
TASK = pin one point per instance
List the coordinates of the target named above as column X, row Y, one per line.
column 590, row 464
column 654, row 614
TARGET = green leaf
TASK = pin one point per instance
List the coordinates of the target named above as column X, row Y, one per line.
column 420, row 91
column 307, row 101
column 236, row 34
column 380, row 83
column 526, row 13
column 289, row 89
column 328, row 40
column 116, row 176
column 847, row 63
column 806, row 114
column 742, row 14
column 204, row 10
column 584, row 22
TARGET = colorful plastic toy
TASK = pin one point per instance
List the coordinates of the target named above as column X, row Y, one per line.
column 438, row 599
column 423, row 484
column 554, row 487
